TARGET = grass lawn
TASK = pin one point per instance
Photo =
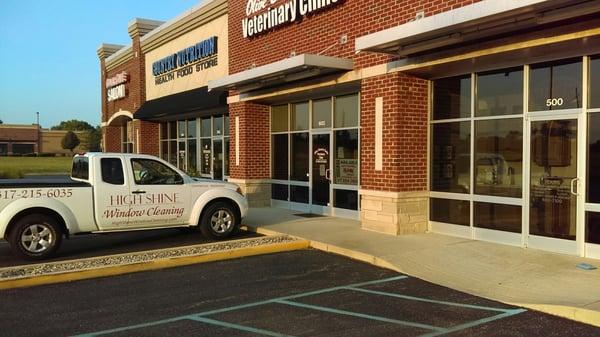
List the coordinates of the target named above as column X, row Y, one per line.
column 17, row 167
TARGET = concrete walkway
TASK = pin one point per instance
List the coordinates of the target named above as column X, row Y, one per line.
column 531, row 278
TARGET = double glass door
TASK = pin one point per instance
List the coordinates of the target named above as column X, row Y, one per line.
column 555, row 196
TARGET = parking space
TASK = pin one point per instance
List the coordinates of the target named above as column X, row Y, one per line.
column 92, row 245
column 302, row 293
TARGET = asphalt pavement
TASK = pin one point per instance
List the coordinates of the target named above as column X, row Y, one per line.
column 301, row 293
column 91, row 245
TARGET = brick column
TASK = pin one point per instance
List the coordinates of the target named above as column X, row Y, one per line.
column 394, row 197
column 250, row 168
column 148, row 137
column 112, row 138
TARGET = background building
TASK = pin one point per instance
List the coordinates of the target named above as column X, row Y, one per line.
column 31, row 139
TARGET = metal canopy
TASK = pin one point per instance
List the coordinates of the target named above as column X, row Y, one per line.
column 473, row 22
column 284, row 71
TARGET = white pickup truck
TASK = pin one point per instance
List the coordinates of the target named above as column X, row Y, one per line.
column 110, row 192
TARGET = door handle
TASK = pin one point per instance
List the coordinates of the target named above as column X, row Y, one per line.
column 328, row 174
column 575, row 182
column 138, row 192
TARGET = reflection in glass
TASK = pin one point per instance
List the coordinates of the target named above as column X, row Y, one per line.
column 191, row 128
column 299, row 194
column 593, row 176
column 206, row 157
column 346, row 111
column 497, row 216
column 553, row 208
column 164, row 150
column 164, row 133
column 173, row 151
column 279, row 192
column 218, row 126
column 218, row 159
column 457, row 212
column 345, row 199
column 322, row 113
column 594, row 95
column 280, row 157
column 500, row 93
column 346, row 157
column 451, row 144
column 300, row 159
column 279, row 118
column 555, row 86
column 192, row 160
column 299, row 116
column 205, row 124
column 499, row 157
column 226, row 157
column 182, row 129
column 226, row 125
column 592, row 227
column 452, row 97
column 172, row 130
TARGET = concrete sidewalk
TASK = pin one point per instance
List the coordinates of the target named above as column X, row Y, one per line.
column 535, row 279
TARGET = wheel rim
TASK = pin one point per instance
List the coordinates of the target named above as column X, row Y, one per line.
column 221, row 221
column 37, row 238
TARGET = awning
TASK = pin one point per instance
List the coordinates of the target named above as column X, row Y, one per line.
column 473, row 22
column 291, row 69
column 188, row 104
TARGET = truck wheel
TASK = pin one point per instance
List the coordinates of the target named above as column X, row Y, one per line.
column 35, row 237
column 218, row 221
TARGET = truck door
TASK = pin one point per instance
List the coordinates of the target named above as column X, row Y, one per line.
column 159, row 194
column 111, row 194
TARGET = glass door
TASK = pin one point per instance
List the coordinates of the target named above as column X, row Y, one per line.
column 321, row 173
column 554, row 184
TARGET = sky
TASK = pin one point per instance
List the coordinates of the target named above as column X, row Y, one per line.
column 48, row 57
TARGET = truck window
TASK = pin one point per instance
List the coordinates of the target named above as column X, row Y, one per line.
column 112, row 171
column 152, row 172
column 80, row 169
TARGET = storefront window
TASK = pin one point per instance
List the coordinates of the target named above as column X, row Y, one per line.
column 279, row 118
column 218, row 159
column 499, row 157
column 218, row 126
column 500, row 93
column 451, row 157
column 279, row 192
column 299, row 116
column 322, row 113
column 126, row 138
column 299, row 194
column 594, row 95
column 346, row 111
column 497, row 216
column 593, row 183
column 191, row 129
column 206, row 157
column 280, row 157
column 300, row 156
column 205, row 125
column 457, row 212
column 346, row 157
column 555, row 85
column 452, row 98
column 592, row 227
column 182, row 129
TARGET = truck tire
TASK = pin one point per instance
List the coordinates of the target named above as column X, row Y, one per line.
column 219, row 220
column 35, row 237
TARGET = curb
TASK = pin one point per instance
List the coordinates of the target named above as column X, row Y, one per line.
column 581, row 315
column 154, row 265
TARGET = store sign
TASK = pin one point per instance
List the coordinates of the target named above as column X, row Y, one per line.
column 202, row 55
column 116, row 86
column 265, row 15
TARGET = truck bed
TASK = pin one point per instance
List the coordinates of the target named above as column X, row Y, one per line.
column 42, row 183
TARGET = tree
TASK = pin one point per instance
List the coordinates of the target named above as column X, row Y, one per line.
column 94, row 139
column 70, row 141
column 73, row 125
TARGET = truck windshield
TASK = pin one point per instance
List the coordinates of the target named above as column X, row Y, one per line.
column 152, row 172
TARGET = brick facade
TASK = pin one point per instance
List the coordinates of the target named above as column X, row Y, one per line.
column 254, row 149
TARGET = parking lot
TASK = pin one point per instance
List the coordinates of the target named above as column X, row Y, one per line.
column 301, row 293
column 82, row 246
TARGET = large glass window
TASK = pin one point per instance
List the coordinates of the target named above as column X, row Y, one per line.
column 322, row 113
column 497, row 216
column 500, row 93
column 455, row 212
column 593, row 162
column 346, row 157
column 594, row 95
column 299, row 156
column 299, row 116
column 279, row 118
column 499, row 157
column 592, row 227
column 126, row 138
column 280, row 157
column 452, row 98
column 451, row 157
column 346, row 111
column 555, row 85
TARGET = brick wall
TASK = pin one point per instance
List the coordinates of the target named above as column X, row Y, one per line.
column 322, row 30
column 149, row 134
column 253, row 142
column 404, row 133
column 112, row 139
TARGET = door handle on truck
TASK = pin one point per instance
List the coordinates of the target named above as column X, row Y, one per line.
column 138, row 192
